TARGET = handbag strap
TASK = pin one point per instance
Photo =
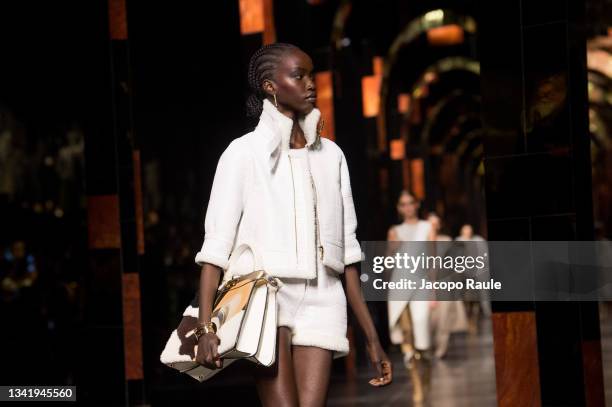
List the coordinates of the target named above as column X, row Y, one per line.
column 235, row 256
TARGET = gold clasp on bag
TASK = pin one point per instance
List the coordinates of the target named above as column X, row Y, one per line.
column 232, row 282
column 246, row 278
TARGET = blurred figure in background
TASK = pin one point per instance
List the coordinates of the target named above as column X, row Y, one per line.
column 467, row 234
column 409, row 320
column 447, row 316
column 475, row 305
column 436, row 224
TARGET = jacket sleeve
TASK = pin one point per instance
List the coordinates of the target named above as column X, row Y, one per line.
column 224, row 207
column 352, row 249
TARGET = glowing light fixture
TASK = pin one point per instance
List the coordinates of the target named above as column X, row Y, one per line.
column 370, row 86
column 434, row 16
column 398, row 151
column 403, row 102
column 451, row 34
column 257, row 16
column 251, row 16
column 325, row 102
column 417, row 179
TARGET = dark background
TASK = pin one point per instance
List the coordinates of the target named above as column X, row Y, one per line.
column 187, row 68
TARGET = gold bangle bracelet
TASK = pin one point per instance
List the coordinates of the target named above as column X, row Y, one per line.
column 204, row 328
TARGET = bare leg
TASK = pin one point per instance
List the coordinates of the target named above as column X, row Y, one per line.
column 443, row 327
column 312, row 372
column 417, row 361
column 276, row 384
column 405, row 323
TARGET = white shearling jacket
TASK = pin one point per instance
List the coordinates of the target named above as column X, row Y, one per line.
column 253, row 201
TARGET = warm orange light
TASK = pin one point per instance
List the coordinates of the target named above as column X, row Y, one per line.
column 325, row 102
column 403, row 102
column 269, row 32
column 117, row 20
column 370, row 86
column 251, row 16
column 445, row 35
column 430, row 76
column 406, row 174
column 398, row 151
column 370, row 89
column 132, row 327
column 417, row 179
column 377, row 66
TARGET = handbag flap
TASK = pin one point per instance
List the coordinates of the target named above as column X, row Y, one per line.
column 250, row 334
column 267, row 344
column 228, row 314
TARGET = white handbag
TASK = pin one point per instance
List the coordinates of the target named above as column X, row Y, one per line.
column 245, row 313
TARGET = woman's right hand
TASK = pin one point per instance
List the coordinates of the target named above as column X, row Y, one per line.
column 207, row 354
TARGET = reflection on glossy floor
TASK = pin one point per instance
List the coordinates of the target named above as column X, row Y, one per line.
column 464, row 378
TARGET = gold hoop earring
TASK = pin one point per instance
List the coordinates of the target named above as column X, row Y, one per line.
column 275, row 102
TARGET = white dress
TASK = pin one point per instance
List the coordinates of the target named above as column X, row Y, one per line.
column 314, row 309
column 419, row 310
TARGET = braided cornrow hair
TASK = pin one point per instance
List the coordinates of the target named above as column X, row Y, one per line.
column 261, row 67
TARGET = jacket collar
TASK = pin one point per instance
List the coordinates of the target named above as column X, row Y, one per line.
column 279, row 127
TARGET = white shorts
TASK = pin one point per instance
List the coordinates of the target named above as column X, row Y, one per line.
column 315, row 311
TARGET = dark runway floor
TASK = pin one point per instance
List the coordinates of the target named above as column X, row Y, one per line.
column 465, row 377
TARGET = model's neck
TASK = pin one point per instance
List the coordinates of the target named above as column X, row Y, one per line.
column 411, row 220
column 297, row 139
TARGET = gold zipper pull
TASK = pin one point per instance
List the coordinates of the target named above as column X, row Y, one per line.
column 321, row 247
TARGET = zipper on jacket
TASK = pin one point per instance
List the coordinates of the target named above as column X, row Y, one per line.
column 317, row 227
column 294, row 208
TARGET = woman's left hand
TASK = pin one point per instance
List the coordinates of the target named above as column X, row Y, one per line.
column 381, row 363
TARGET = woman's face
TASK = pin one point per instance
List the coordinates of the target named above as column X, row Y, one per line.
column 293, row 84
column 466, row 231
column 435, row 222
column 407, row 206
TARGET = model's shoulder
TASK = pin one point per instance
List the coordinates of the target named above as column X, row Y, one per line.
column 238, row 147
column 327, row 143
column 253, row 140
column 392, row 232
column 331, row 146
column 425, row 225
column 243, row 142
